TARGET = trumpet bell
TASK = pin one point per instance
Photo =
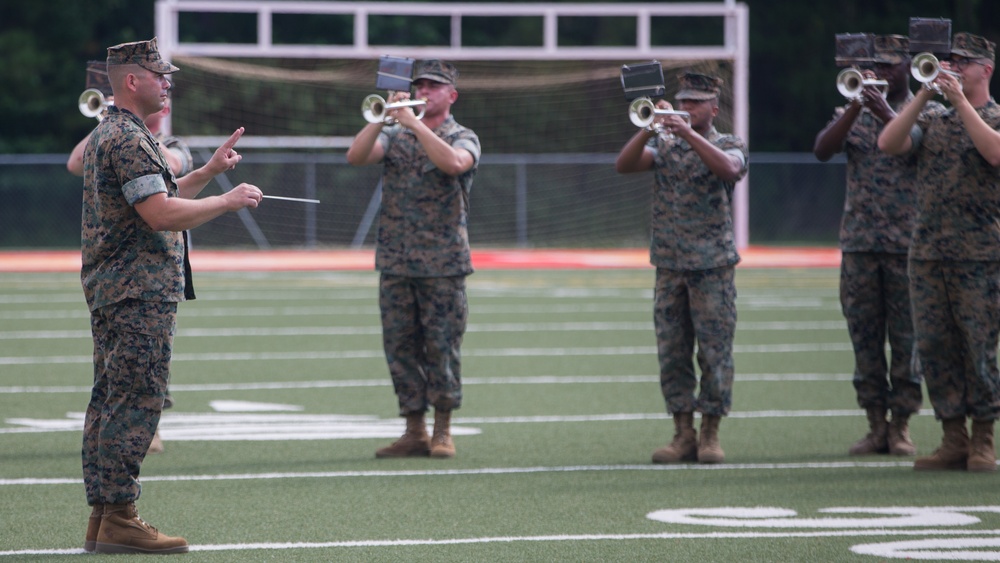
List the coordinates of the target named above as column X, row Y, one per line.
column 850, row 83
column 925, row 67
column 92, row 103
column 375, row 110
column 642, row 112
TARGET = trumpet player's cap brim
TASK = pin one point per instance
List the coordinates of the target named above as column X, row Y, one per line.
column 142, row 53
column 892, row 49
column 436, row 70
column 973, row 46
column 694, row 86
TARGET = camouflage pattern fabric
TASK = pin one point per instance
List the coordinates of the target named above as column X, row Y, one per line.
column 423, row 324
column 956, row 317
column 696, row 308
column 132, row 279
column 132, row 347
column 143, row 53
column 423, row 256
column 692, row 222
column 880, row 209
column 875, row 300
column 122, row 256
column 959, row 197
column 423, row 220
column 955, row 267
column 693, row 247
column 880, row 205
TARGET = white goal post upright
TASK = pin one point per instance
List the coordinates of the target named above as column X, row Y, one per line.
column 735, row 45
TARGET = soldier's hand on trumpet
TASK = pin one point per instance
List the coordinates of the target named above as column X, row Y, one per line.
column 949, row 82
column 404, row 115
column 873, row 96
column 673, row 123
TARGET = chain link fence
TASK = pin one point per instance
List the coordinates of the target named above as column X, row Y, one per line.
column 527, row 201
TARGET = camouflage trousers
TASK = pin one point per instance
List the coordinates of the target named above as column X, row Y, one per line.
column 956, row 319
column 423, row 324
column 132, row 347
column 875, row 300
column 696, row 307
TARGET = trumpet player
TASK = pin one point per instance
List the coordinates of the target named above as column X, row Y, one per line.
column 174, row 149
column 693, row 248
column 954, row 262
column 875, row 232
column 423, row 253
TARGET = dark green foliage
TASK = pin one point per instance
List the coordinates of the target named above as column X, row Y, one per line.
column 44, row 47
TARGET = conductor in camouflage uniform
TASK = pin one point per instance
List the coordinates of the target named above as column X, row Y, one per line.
column 135, row 271
column 693, row 248
column 955, row 253
column 880, row 207
column 174, row 149
column 423, row 253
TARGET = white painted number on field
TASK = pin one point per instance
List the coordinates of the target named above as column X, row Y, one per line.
column 258, row 422
column 866, row 518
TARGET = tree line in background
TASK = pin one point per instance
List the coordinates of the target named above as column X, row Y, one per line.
column 44, row 47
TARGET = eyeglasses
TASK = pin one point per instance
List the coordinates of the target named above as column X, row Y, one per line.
column 960, row 63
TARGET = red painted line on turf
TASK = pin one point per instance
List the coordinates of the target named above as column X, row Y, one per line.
column 319, row 260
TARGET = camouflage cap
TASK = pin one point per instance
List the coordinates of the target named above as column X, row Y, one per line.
column 97, row 77
column 694, row 86
column 142, row 53
column 436, row 70
column 892, row 49
column 973, row 46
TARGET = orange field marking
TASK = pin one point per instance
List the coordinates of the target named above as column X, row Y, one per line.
column 487, row 259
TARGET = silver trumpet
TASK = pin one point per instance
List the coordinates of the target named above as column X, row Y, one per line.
column 925, row 67
column 850, row 84
column 92, row 103
column 376, row 110
column 642, row 112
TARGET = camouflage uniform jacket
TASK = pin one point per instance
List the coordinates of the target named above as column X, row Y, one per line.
column 959, row 195
column 692, row 221
column 423, row 220
column 122, row 256
column 880, row 205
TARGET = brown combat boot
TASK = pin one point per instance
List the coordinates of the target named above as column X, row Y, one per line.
column 122, row 531
column 441, row 445
column 875, row 441
column 982, row 453
column 898, row 437
column 684, row 447
column 709, row 450
column 93, row 525
column 413, row 443
column 953, row 452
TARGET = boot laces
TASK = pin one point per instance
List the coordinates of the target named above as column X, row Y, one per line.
column 135, row 514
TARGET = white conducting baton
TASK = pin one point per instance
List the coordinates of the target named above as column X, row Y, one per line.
column 303, row 200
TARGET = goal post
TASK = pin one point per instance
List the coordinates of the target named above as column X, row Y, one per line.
column 497, row 63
